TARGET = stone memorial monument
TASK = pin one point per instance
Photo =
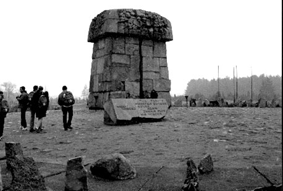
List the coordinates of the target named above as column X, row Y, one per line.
column 129, row 57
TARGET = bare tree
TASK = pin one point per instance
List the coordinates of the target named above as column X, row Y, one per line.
column 9, row 89
column 85, row 93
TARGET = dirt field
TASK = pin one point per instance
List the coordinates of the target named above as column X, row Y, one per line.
column 237, row 139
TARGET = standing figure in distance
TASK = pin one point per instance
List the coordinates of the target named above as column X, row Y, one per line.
column 23, row 104
column 32, row 107
column 4, row 109
column 35, row 105
column 66, row 101
column 43, row 104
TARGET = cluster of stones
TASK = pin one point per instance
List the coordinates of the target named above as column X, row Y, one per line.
column 26, row 176
column 129, row 55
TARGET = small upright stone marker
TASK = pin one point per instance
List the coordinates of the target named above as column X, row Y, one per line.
column 191, row 181
column 76, row 175
column 206, row 164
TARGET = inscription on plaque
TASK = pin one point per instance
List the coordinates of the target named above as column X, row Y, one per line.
column 127, row 109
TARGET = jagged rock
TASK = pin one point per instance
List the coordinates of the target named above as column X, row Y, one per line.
column 25, row 174
column 206, row 164
column 191, row 182
column 113, row 167
column 76, row 175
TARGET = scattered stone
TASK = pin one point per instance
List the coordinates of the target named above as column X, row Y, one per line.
column 113, row 167
column 206, row 164
column 191, row 181
column 76, row 175
column 25, row 174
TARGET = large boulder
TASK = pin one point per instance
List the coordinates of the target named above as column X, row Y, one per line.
column 113, row 167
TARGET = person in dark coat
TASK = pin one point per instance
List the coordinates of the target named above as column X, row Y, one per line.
column 34, row 102
column 43, row 104
column 32, row 107
column 23, row 105
column 67, row 109
column 4, row 109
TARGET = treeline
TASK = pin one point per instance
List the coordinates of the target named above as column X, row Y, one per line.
column 268, row 87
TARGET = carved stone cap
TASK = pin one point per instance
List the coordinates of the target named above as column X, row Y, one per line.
column 130, row 22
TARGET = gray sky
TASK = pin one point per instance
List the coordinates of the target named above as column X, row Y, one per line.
column 45, row 42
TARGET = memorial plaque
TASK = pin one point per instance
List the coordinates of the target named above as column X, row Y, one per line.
column 129, row 110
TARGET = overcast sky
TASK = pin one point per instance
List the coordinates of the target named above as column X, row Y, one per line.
column 45, row 42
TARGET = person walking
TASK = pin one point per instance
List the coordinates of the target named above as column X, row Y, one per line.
column 32, row 107
column 66, row 101
column 43, row 104
column 23, row 105
column 4, row 109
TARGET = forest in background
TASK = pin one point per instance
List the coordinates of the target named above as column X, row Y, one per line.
column 268, row 87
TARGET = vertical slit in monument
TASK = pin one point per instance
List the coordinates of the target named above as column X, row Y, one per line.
column 141, row 69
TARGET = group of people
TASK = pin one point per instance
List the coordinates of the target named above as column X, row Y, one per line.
column 38, row 102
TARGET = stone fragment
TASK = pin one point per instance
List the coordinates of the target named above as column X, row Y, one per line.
column 206, row 164
column 147, row 51
column 113, row 167
column 150, row 64
column 1, row 183
column 191, row 182
column 25, row 174
column 76, row 175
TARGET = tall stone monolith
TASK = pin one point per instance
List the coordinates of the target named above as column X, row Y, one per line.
column 129, row 57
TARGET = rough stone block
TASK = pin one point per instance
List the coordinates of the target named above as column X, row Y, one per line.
column 132, row 49
column 117, row 94
column 100, row 65
column 147, row 85
column 100, row 53
column 95, row 83
column 132, row 40
column 119, row 73
column 163, row 62
column 164, row 73
column 151, row 75
column 147, row 42
column 113, row 167
column 159, row 49
column 150, row 64
column 147, row 51
column 110, row 26
column 108, row 44
column 162, row 85
column 120, row 59
column 76, row 175
column 101, row 43
column 133, row 88
column 94, row 66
